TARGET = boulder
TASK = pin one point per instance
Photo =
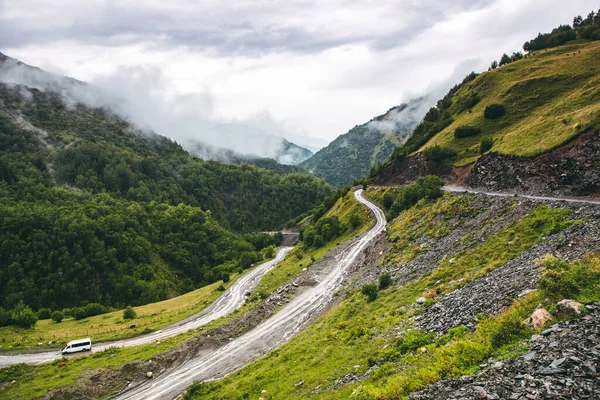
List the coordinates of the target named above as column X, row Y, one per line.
column 149, row 374
column 538, row 319
column 420, row 300
column 570, row 307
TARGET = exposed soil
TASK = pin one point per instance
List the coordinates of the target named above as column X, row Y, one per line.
column 410, row 169
column 572, row 169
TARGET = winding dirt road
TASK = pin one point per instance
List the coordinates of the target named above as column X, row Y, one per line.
column 265, row 337
column 231, row 299
column 463, row 189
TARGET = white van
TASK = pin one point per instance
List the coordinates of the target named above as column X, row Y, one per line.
column 77, row 345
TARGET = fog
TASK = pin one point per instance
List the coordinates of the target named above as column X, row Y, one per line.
column 137, row 94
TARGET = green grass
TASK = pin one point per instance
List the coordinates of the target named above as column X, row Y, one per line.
column 550, row 97
column 111, row 326
column 357, row 332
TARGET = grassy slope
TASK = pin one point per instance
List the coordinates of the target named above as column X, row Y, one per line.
column 550, row 97
column 111, row 326
column 356, row 332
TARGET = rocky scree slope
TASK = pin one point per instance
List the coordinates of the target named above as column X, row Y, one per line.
column 562, row 363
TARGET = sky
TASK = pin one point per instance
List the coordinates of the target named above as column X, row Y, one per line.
column 303, row 67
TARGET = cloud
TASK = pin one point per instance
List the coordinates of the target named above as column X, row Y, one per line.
column 228, row 27
column 137, row 94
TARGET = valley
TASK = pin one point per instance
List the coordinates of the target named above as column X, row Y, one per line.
column 443, row 250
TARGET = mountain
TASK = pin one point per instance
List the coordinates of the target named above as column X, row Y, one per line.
column 531, row 125
column 95, row 210
column 352, row 155
column 246, row 141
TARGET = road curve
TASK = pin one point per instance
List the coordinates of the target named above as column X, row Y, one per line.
column 229, row 301
column 463, row 189
column 263, row 338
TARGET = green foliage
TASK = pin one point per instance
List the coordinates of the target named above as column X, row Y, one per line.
column 413, row 340
column 362, row 151
column 370, row 290
column 465, row 131
column 385, row 281
column 427, row 187
column 494, row 111
column 44, row 313
column 57, row 316
column 129, row 313
column 5, row 317
column 23, row 316
column 321, row 232
column 438, row 153
column 561, row 279
column 125, row 218
column 486, row 144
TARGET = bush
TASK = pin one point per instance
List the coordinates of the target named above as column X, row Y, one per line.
column 486, row 144
column 426, row 187
column 226, row 277
column 413, row 340
column 44, row 313
column 129, row 313
column 57, row 316
column 385, row 281
column 466, row 131
column 24, row 316
column 438, row 153
column 370, row 290
column 494, row 111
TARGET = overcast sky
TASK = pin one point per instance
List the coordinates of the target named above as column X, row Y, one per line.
column 313, row 67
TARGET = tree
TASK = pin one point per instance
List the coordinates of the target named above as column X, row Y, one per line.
column 494, row 111
column 129, row 313
column 438, row 153
column 370, row 290
column 385, row 281
column 466, row 131
column 24, row 316
column 494, row 64
column 57, row 316
column 44, row 313
column 486, row 144
column 577, row 21
column 504, row 60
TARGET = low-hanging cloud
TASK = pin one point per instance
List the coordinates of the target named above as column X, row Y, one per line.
column 138, row 95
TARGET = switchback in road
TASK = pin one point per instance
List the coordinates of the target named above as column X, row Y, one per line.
column 265, row 337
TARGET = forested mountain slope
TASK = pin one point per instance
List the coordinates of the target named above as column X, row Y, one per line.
column 94, row 210
column 352, row 155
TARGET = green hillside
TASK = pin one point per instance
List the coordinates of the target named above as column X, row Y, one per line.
column 352, row 155
column 549, row 96
column 93, row 210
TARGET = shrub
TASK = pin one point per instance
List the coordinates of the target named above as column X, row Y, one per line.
column 44, row 313
column 129, row 313
column 466, row 131
column 370, row 290
column 438, row 153
column 494, row 111
column 24, row 316
column 226, row 277
column 486, row 144
column 562, row 279
column 385, row 281
column 413, row 340
column 221, row 288
column 57, row 316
